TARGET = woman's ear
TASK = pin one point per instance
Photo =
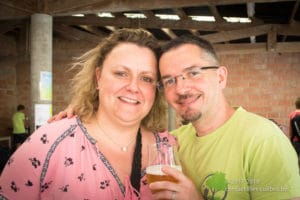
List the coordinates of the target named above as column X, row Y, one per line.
column 98, row 73
column 98, row 76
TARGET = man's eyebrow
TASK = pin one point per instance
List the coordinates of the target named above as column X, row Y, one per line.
column 190, row 68
column 185, row 69
column 165, row 76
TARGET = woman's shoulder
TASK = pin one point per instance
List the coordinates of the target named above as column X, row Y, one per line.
column 53, row 130
column 58, row 125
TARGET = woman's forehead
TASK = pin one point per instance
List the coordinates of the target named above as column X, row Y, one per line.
column 132, row 56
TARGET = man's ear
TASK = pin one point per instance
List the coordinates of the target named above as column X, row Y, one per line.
column 222, row 75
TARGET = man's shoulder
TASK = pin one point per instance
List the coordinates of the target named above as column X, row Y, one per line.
column 182, row 130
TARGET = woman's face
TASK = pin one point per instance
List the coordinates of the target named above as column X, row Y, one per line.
column 127, row 83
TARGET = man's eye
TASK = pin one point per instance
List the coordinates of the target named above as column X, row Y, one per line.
column 168, row 82
column 191, row 74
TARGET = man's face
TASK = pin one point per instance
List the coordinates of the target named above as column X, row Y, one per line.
column 197, row 92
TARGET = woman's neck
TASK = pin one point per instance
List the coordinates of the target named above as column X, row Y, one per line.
column 122, row 135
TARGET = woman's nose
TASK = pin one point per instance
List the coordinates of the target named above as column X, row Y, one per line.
column 133, row 85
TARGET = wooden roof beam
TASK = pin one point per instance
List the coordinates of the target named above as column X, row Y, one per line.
column 149, row 23
column 67, row 7
column 272, row 39
column 237, row 34
column 169, row 32
column 76, row 34
column 256, row 48
column 291, row 21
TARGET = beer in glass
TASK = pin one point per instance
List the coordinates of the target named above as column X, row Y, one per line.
column 161, row 154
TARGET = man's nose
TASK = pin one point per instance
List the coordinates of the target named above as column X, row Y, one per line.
column 181, row 85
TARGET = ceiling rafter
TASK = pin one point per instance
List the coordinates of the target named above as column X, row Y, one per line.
column 183, row 16
column 272, row 42
column 149, row 14
column 291, row 20
column 180, row 12
column 256, row 48
column 74, row 6
column 225, row 36
column 270, row 24
column 213, row 9
column 149, row 23
column 23, row 6
column 93, row 30
column 75, row 34
column 169, row 32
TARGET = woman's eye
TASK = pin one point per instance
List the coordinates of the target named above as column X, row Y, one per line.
column 121, row 74
column 147, row 79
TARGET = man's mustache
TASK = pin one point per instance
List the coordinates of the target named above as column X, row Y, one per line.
column 183, row 97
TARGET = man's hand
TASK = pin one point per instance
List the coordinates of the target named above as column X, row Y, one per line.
column 184, row 189
column 68, row 112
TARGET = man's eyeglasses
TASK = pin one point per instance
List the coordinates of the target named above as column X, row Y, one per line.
column 191, row 73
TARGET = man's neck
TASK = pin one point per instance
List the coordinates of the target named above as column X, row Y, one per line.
column 213, row 120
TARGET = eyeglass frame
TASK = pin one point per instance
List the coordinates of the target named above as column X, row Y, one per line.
column 160, row 85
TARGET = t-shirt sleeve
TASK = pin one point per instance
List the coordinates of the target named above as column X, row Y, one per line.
column 273, row 170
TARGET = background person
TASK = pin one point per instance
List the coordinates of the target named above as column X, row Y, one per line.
column 292, row 115
column 294, row 127
column 100, row 153
column 19, row 123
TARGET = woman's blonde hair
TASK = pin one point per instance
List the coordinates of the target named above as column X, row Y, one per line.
column 85, row 99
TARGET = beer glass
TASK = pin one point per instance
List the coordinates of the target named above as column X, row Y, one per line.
column 161, row 154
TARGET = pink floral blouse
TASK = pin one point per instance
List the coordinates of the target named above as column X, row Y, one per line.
column 61, row 161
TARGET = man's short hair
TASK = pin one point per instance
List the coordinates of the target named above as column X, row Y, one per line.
column 189, row 39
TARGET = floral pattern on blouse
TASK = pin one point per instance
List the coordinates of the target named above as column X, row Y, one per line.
column 61, row 161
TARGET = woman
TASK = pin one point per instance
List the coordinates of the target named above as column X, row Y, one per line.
column 100, row 153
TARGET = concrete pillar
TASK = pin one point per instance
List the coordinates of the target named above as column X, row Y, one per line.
column 41, row 63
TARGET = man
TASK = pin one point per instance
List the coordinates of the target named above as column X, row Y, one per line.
column 227, row 153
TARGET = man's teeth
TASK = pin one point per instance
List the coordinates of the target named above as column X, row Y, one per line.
column 128, row 100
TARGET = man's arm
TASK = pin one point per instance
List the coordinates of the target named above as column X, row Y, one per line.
column 68, row 112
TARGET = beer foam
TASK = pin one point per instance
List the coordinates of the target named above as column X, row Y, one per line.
column 156, row 169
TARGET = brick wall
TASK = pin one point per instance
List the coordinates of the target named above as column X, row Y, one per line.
column 264, row 83
column 7, row 81
column 63, row 55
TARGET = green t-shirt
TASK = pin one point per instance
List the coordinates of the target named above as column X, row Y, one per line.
column 248, row 157
column 18, row 123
